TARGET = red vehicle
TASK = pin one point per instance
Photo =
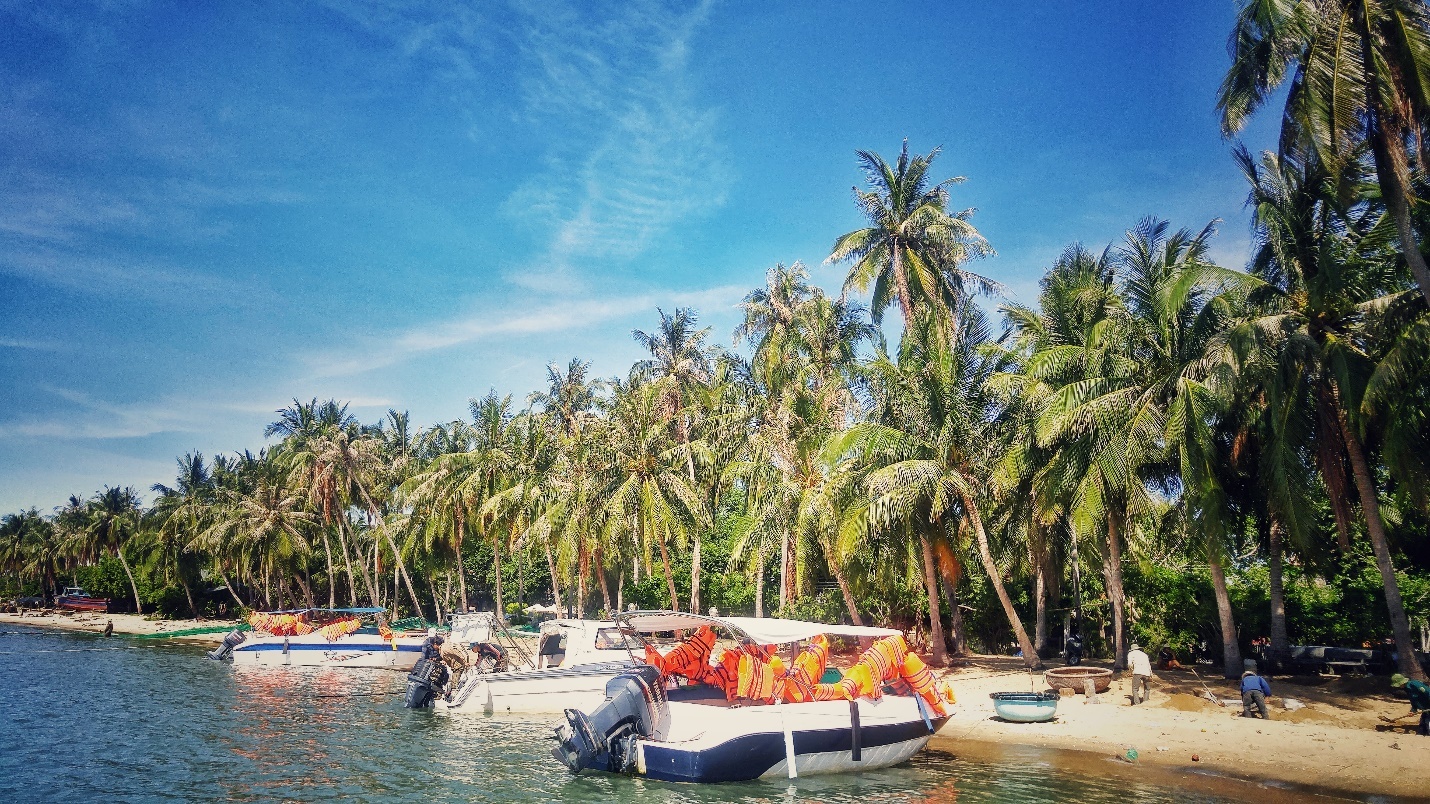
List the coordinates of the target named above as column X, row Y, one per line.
column 80, row 600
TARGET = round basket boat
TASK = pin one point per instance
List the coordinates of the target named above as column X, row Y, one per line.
column 1025, row 707
column 1074, row 677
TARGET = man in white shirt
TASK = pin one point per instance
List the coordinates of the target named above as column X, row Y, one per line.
column 1141, row 668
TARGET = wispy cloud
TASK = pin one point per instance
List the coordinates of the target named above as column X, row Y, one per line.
column 31, row 345
column 635, row 152
column 549, row 318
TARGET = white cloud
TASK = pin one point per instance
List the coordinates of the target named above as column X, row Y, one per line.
column 548, row 318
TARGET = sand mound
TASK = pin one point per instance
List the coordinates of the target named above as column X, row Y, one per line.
column 1184, row 702
column 1304, row 716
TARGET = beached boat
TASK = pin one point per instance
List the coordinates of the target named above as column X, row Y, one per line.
column 321, row 638
column 567, row 666
column 699, row 733
column 77, row 599
column 1026, row 707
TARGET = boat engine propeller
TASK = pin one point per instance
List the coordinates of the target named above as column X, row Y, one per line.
column 426, row 681
column 225, row 648
column 635, row 707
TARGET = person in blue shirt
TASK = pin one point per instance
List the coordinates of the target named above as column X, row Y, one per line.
column 1254, row 690
column 1419, row 693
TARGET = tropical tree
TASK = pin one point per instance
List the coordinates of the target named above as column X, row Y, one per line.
column 1359, row 72
column 111, row 520
column 179, row 515
column 914, row 248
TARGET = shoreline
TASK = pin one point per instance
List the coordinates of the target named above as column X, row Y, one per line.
column 124, row 624
column 1329, row 748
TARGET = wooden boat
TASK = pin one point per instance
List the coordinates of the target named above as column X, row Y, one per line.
column 77, row 599
column 1060, row 678
column 1025, row 707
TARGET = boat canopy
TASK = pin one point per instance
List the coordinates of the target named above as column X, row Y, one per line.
column 360, row 610
column 763, row 630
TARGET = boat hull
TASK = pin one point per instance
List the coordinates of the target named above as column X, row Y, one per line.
column 83, row 603
column 751, row 743
column 545, row 691
column 312, row 650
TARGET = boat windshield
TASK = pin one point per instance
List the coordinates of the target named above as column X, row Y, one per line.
column 615, row 639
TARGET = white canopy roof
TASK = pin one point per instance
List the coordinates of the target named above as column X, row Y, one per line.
column 763, row 630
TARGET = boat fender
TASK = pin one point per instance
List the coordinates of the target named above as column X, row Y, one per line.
column 856, row 751
column 225, row 648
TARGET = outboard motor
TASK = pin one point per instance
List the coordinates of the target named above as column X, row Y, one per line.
column 635, row 707
column 225, row 649
column 426, row 681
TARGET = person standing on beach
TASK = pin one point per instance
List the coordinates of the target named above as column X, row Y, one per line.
column 1254, row 690
column 1141, row 667
column 1419, row 700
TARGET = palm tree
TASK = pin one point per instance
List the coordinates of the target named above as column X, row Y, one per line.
column 264, row 520
column 302, row 425
column 111, row 521
column 29, row 546
column 933, row 439
column 914, row 248
column 1359, row 71
column 679, row 363
column 1328, row 286
column 180, row 514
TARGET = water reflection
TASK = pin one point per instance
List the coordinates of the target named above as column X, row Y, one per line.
column 160, row 721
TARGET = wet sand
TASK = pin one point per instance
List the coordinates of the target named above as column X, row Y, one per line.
column 1333, row 745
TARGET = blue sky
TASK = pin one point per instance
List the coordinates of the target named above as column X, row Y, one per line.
column 209, row 209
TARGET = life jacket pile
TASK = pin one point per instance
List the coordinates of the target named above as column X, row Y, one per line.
column 281, row 624
column 754, row 672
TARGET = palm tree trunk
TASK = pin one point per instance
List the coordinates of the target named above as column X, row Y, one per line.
column 760, row 580
column 784, row 569
column 583, row 571
column 844, row 589
column 1231, row 651
column 1040, row 601
column 458, row 532
column 347, row 562
column 223, row 577
column 599, row 560
column 949, row 570
column 189, row 594
column 138, row 607
column 1115, row 592
column 1375, row 528
column 1280, row 641
column 496, row 565
column 901, row 283
column 332, row 579
column 551, row 566
column 1387, row 140
column 669, row 575
column 436, row 601
column 307, row 590
column 402, row 571
column 1030, row 656
column 936, row 644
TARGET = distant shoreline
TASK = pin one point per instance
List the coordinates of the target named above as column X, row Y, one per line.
column 130, row 624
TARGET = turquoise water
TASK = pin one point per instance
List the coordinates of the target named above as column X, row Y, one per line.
column 83, row 718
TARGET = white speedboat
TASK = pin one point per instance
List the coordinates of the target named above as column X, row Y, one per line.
column 321, row 638
column 697, row 733
column 567, row 667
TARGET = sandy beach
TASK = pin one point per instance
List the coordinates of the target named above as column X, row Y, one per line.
column 1332, row 744
column 1335, row 743
column 132, row 624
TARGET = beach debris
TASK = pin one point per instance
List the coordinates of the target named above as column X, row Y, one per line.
column 1195, row 757
column 1291, row 704
column 1396, row 746
column 1163, row 748
column 1131, row 755
column 1089, row 691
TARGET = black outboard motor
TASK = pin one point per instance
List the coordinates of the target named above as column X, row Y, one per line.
column 635, row 707
column 426, row 681
column 225, row 649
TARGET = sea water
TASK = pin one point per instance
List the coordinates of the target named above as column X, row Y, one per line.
column 87, row 718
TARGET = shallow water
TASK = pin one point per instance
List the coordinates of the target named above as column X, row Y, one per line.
column 87, row 718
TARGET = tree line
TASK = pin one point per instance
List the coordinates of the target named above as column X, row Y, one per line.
column 1151, row 412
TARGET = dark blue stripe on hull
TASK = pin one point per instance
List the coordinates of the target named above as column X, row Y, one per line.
column 333, row 648
column 750, row 756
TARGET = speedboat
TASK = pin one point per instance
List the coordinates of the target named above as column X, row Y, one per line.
column 882, row 711
column 321, row 638
column 492, row 671
column 79, row 600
